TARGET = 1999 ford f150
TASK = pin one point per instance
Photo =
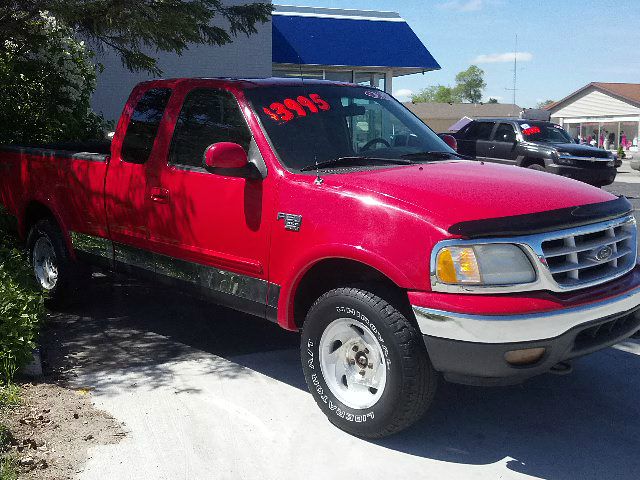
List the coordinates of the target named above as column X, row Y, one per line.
column 332, row 210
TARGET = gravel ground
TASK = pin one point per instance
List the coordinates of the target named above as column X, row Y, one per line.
column 53, row 429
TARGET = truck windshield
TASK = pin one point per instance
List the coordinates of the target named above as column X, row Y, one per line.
column 545, row 132
column 322, row 123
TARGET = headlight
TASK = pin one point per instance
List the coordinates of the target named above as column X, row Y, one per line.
column 490, row 264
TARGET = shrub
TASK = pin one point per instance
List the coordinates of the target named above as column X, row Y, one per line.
column 21, row 308
column 621, row 153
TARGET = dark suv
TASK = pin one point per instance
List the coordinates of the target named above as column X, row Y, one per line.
column 537, row 145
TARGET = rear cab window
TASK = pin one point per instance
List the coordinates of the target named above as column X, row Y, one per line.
column 479, row 131
column 143, row 125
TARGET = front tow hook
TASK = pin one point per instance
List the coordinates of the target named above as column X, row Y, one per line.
column 562, row 368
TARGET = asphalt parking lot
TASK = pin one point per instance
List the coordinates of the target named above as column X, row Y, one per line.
column 207, row 393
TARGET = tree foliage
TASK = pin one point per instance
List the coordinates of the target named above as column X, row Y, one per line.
column 132, row 29
column 469, row 87
column 470, row 84
column 437, row 93
column 46, row 90
column 492, row 100
column 544, row 103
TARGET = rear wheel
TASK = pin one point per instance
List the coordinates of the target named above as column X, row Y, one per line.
column 53, row 268
column 365, row 363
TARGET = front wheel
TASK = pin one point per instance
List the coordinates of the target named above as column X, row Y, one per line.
column 365, row 363
column 535, row 166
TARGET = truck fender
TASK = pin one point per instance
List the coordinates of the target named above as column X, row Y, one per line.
column 49, row 206
column 305, row 263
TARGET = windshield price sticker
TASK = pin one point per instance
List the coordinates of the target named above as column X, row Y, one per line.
column 531, row 130
column 375, row 94
column 289, row 108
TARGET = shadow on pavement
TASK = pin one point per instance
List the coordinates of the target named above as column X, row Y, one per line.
column 585, row 425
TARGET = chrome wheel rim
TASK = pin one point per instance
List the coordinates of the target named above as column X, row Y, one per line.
column 352, row 363
column 45, row 263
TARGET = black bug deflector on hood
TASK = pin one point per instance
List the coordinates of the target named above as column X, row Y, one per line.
column 543, row 221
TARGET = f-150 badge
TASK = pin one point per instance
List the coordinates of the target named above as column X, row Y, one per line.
column 291, row 221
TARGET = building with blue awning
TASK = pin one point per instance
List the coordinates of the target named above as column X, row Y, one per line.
column 359, row 46
column 365, row 47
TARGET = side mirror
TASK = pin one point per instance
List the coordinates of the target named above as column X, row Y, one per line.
column 451, row 141
column 225, row 155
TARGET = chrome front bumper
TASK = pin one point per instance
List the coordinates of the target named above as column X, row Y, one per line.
column 519, row 328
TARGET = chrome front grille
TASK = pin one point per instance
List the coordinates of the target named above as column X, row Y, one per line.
column 591, row 255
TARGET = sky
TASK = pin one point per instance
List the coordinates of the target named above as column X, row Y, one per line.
column 562, row 44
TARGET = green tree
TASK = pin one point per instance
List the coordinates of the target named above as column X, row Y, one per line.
column 436, row 93
column 47, row 73
column 132, row 29
column 46, row 91
column 470, row 84
column 492, row 100
column 544, row 103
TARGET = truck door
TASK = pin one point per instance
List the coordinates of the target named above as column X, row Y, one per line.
column 483, row 142
column 504, row 147
column 129, row 191
column 213, row 230
column 475, row 140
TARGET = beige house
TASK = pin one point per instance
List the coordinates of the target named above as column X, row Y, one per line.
column 601, row 114
column 441, row 116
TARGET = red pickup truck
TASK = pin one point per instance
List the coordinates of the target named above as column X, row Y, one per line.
column 330, row 209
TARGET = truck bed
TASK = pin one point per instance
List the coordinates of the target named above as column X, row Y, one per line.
column 67, row 177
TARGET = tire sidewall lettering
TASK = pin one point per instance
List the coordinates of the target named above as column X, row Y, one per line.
column 319, row 385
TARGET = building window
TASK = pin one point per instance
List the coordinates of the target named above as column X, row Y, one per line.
column 629, row 135
column 297, row 73
column 344, row 76
column 370, row 79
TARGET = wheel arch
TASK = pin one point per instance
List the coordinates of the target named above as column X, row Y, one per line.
column 35, row 211
column 325, row 274
column 526, row 161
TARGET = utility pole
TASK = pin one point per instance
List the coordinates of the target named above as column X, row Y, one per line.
column 515, row 71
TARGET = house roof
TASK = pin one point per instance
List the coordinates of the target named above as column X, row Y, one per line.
column 627, row 92
column 456, row 111
column 329, row 36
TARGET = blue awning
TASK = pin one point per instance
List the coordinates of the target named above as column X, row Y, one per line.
column 349, row 41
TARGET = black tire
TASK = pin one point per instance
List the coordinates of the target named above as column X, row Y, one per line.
column 535, row 166
column 69, row 272
column 411, row 380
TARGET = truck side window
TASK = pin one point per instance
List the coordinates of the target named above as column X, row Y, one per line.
column 208, row 116
column 480, row 131
column 143, row 126
column 505, row 133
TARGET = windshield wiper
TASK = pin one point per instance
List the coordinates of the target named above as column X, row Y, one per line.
column 337, row 161
column 434, row 154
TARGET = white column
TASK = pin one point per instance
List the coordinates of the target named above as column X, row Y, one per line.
column 388, row 81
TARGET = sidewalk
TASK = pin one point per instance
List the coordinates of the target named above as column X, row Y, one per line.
column 207, row 393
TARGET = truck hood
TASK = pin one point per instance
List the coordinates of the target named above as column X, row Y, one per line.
column 580, row 150
column 448, row 192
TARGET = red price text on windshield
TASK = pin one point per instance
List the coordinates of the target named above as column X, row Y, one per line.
column 289, row 108
column 531, row 131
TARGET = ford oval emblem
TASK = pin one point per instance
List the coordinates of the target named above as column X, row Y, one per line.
column 604, row 253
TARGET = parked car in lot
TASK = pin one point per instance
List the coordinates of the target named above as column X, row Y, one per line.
column 537, row 145
column 332, row 210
